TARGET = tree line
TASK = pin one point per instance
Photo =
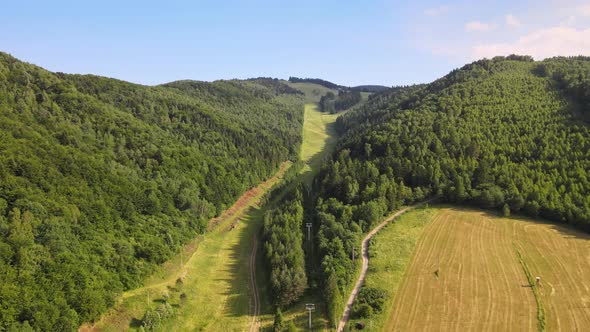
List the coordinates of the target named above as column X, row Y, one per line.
column 332, row 103
column 283, row 247
column 318, row 81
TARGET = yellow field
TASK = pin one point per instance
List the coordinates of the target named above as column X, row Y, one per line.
column 482, row 262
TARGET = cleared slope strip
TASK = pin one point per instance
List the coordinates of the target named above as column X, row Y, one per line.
column 215, row 270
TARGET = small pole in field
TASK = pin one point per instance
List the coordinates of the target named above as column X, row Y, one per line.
column 538, row 279
column 308, row 225
column 310, row 307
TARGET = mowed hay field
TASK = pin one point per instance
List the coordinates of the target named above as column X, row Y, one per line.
column 467, row 273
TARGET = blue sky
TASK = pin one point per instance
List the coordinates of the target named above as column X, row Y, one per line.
column 348, row 42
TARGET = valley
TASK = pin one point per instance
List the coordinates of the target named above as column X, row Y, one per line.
column 237, row 205
column 219, row 264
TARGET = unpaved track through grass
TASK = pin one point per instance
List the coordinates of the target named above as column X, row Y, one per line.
column 481, row 285
column 255, row 325
column 224, row 290
column 216, row 276
column 365, row 264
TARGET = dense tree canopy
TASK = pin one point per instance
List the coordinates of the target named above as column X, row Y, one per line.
column 100, row 180
column 332, row 103
column 283, row 246
column 507, row 134
column 370, row 88
column 318, row 81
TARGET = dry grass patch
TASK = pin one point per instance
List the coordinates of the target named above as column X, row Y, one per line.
column 470, row 270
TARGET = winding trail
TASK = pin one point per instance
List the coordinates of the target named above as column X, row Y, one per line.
column 255, row 325
column 365, row 266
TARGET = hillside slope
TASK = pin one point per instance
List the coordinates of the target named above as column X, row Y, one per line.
column 506, row 133
column 100, row 180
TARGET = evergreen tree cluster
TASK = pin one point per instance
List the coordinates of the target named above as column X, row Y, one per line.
column 283, row 247
column 101, row 180
column 370, row 88
column 276, row 85
column 331, row 103
column 505, row 133
column 318, row 81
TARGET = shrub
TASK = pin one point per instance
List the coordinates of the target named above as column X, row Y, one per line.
column 362, row 311
column 369, row 301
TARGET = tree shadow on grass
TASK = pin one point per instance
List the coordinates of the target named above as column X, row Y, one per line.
column 135, row 323
column 239, row 300
column 240, row 296
column 566, row 230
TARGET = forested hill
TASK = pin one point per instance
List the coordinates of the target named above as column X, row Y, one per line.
column 318, row 81
column 509, row 134
column 100, row 180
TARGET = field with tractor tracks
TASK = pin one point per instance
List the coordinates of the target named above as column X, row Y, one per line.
column 455, row 269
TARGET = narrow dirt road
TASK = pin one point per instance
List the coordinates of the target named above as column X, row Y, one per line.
column 255, row 325
column 365, row 266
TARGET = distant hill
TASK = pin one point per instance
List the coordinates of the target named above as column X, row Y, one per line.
column 278, row 86
column 337, row 97
column 317, row 81
column 508, row 134
column 370, row 88
column 101, row 180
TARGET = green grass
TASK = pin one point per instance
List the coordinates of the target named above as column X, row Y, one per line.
column 215, row 266
column 391, row 250
column 365, row 96
column 319, row 139
column 313, row 92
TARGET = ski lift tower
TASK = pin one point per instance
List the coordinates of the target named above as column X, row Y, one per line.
column 310, row 307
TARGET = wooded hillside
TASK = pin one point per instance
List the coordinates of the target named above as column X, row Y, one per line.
column 100, row 179
column 508, row 134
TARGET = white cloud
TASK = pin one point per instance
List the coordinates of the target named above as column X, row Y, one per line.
column 512, row 21
column 541, row 44
column 437, row 11
column 571, row 20
column 584, row 10
column 479, row 26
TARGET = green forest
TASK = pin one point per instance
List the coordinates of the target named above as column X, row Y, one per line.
column 283, row 247
column 507, row 133
column 101, row 180
column 332, row 103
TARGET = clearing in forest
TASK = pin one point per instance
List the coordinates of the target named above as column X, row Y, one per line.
column 452, row 269
column 319, row 138
column 216, row 266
